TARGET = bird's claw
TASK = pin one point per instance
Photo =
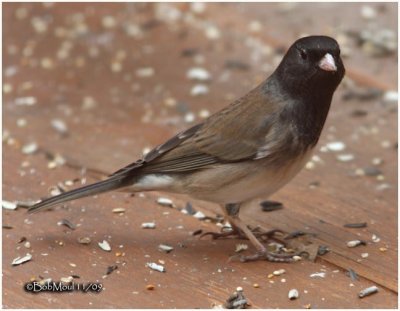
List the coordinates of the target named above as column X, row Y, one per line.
column 269, row 256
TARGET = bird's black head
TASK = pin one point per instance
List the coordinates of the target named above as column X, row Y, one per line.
column 311, row 66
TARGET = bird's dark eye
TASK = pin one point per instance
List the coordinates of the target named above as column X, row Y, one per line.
column 303, row 54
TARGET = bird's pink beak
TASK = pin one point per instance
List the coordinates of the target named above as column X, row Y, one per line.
column 327, row 63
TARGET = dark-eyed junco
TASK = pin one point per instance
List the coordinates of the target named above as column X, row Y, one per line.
column 249, row 149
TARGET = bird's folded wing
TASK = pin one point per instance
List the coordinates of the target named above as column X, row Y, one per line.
column 220, row 139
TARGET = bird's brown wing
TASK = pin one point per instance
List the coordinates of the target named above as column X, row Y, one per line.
column 219, row 139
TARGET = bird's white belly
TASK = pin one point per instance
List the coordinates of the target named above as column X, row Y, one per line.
column 227, row 185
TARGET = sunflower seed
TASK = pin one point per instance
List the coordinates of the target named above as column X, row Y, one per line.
column 336, row 146
column 105, row 246
column 156, row 267
column 84, row 240
column 317, row 275
column 118, row 210
column 148, row 225
column 279, row 272
column 199, row 215
column 30, row 148
column 20, row 260
column 60, row 126
column 199, row 89
column 270, row 206
column 345, row 157
column 356, row 225
column 110, row 269
column 241, row 247
column 355, row 243
column 293, row 294
column 375, row 238
column 9, row 205
column 199, row 74
column 165, row 248
column 165, row 202
column 368, row 291
column 364, row 255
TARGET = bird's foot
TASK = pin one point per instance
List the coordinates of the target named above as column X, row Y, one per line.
column 275, row 235
column 235, row 233
column 232, row 233
column 268, row 256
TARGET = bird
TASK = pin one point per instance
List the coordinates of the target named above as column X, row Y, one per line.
column 247, row 150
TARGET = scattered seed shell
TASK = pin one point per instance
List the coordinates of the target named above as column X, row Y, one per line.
column 368, row 291
column 156, row 267
column 148, row 225
column 110, row 269
column 317, row 275
column 118, row 210
column 84, row 240
column 270, row 206
column 297, row 258
column 355, row 243
column 356, row 225
column 165, row 248
column 30, row 148
column 9, row 205
column 241, row 247
column 20, row 260
column 336, row 146
column 199, row 74
column 364, row 255
column 345, row 157
column 165, row 202
column 293, row 294
column 199, row 215
column 199, row 89
column 60, row 126
column 279, row 272
column 375, row 238
column 105, row 246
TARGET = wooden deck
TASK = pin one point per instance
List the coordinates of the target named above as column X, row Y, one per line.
column 131, row 113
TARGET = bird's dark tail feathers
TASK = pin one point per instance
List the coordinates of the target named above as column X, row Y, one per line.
column 96, row 188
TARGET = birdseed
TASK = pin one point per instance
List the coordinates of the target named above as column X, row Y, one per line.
column 148, row 225
column 20, row 260
column 368, row 291
column 293, row 294
column 356, row 225
column 105, row 246
column 156, row 267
